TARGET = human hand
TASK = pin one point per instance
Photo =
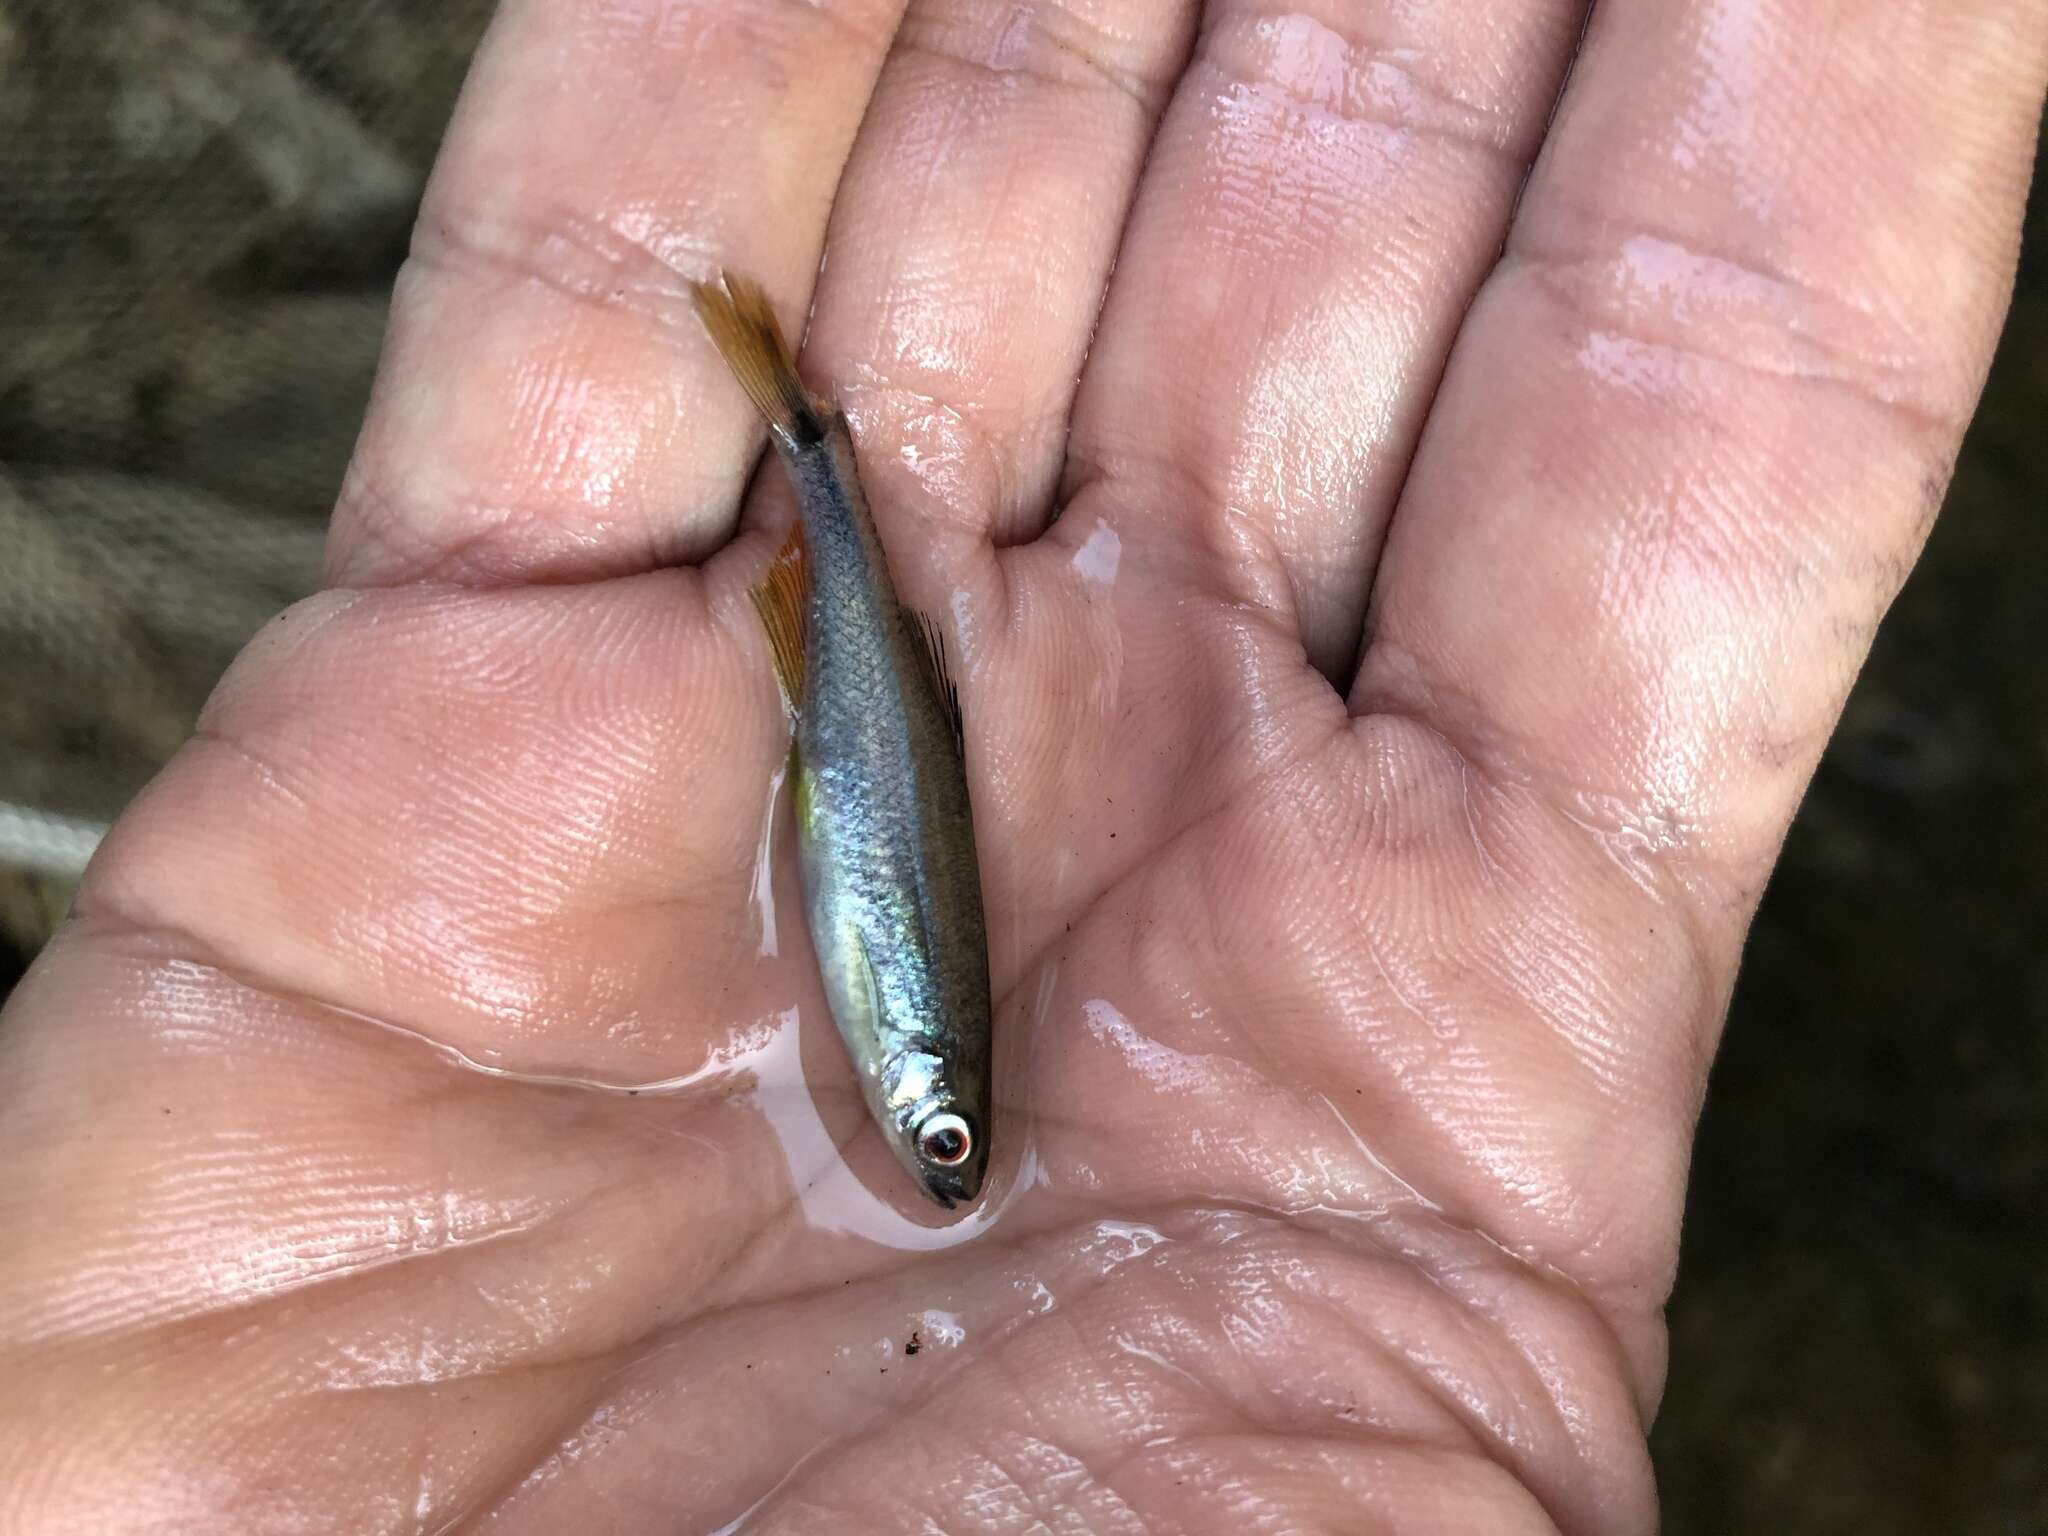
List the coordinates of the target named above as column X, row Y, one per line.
column 1352, row 1017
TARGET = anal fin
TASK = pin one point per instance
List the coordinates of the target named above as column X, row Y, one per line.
column 782, row 598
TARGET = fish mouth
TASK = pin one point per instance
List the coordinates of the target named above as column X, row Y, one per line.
column 952, row 1192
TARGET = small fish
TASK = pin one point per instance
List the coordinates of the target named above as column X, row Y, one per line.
column 884, row 832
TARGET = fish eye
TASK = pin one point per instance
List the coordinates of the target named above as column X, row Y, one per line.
column 946, row 1140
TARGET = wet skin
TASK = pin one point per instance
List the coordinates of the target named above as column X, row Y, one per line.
column 1376, row 764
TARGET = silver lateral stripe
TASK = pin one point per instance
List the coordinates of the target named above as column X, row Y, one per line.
column 46, row 842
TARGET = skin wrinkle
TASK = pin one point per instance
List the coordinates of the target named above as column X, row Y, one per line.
column 113, row 911
column 290, row 633
column 990, row 1339
column 461, row 563
column 381, row 537
column 621, row 228
column 835, row 1447
column 1585, row 10
column 543, row 1448
column 336, row 1286
column 1182, row 1446
column 1574, row 294
column 608, row 264
column 1348, row 1444
column 756, row 14
column 1454, row 1413
column 1489, row 869
column 1677, row 902
column 1240, row 560
column 188, row 949
column 1145, row 94
column 1501, row 765
column 1160, row 1252
column 1242, row 570
column 1039, row 1433
column 992, row 1342
column 1289, row 1430
column 480, row 1502
column 715, row 1317
column 1140, row 866
column 1547, row 1272
column 1557, row 265
column 1242, row 537
column 1479, row 1330
column 1672, row 897
column 1868, row 377
column 267, row 773
column 1572, row 1022
column 325, row 1280
column 1561, row 1030
column 1133, row 1457
column 502, row 940
column 1070, row 32
column 1001, row 452
column 991, row 1459
column 1446, row 117
column 1479, row 1334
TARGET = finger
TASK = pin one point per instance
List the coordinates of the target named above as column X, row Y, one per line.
column 1327, row 190
column 546, row 407
column 971, row 241
column 1700, row 419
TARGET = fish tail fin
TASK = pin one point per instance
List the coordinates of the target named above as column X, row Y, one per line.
column 782, row 599
column 736, row 312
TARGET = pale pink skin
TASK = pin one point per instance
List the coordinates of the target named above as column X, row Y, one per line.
column 1364, row 1025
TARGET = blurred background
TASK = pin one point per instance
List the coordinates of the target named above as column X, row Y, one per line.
column 202, row 205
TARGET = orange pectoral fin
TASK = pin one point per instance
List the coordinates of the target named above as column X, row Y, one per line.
column 782, row 598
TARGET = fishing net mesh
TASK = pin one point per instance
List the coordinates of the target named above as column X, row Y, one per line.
column 202, row 206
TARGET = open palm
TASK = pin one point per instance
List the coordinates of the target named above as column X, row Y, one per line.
column 1377, row 760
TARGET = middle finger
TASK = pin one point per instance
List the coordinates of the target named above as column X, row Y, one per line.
column 970, row 245
column 1329, row 187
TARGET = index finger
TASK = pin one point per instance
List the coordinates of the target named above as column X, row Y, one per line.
column 546, row 408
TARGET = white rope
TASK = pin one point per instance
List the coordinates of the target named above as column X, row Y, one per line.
column 46, row 842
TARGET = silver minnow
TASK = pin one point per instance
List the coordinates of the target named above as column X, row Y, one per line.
column 884, row 831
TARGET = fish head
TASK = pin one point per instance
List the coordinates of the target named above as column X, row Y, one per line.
column 938, row 1124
